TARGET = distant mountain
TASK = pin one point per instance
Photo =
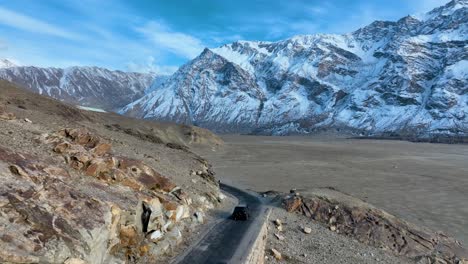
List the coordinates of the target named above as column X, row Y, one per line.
column 4, row 63
column 86, row 86
column 408, row 76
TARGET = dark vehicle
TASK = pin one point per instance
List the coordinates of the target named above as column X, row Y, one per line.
column 241, row 213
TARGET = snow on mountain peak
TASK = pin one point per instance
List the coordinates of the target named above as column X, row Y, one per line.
column 5, row 63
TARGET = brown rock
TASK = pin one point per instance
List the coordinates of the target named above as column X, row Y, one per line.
column 292, row 204
column 102, row 149
column 79, row 160
column 144, row 250
column 127, row 163
column 82, row 157
column 156, row 182
column 117, row 175
column 97, row 167
column 131, row 183
column 62, row 147
column 128, row 236
column 93, row 170
column 170, row 206
column 83, row 137
column 112, row 162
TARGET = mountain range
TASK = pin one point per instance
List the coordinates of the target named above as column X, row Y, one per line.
column 85, row 86
column 407, row 77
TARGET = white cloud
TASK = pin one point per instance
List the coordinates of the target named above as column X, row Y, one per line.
column 23, row 22
column 151, row 66
column 178, row 43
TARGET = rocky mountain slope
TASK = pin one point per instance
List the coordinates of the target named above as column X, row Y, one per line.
column 407, row 77
column 86, row 86
column 87, row 187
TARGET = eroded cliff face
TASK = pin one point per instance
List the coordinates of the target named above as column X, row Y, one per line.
column 407, row 76
column 77, row 190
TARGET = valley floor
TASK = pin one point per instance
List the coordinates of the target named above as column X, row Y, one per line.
column 423, row 183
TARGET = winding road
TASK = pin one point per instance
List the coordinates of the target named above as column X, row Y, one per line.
column 228, row 241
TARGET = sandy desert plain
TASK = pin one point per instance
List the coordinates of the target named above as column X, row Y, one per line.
column 424, row 183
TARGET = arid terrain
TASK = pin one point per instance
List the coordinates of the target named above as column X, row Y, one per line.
column 422, row 183
column 85, row 187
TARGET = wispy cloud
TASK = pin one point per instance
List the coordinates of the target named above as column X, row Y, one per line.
column 151, row 66
column 178, row 43
column 23, row 22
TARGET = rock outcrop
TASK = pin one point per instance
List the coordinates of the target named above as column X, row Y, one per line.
column 82, row 203
column 352, row 217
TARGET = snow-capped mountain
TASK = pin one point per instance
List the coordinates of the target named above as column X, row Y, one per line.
column 86, row 86
column 5, row 63
column 408, row 76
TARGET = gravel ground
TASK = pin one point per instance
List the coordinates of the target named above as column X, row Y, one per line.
column 320, row 246
column 422, row 183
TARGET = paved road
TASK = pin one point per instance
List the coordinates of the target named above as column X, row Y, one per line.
column 228, row 241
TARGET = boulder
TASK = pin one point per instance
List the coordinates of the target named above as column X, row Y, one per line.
column 307, row 230
column 276, row 254
column 82, row 137
column 292, row 204
column 74, row 261
column 156, row 220
column 156, row 235
column 279, row 237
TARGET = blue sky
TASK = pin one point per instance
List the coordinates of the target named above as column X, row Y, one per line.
column 160, row 35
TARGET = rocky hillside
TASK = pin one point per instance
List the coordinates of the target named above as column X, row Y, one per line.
column 86, row 187
column 407, row 77
column 86, row 86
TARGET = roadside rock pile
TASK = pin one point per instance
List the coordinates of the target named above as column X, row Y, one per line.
column 87, row 204
column 353, row 217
